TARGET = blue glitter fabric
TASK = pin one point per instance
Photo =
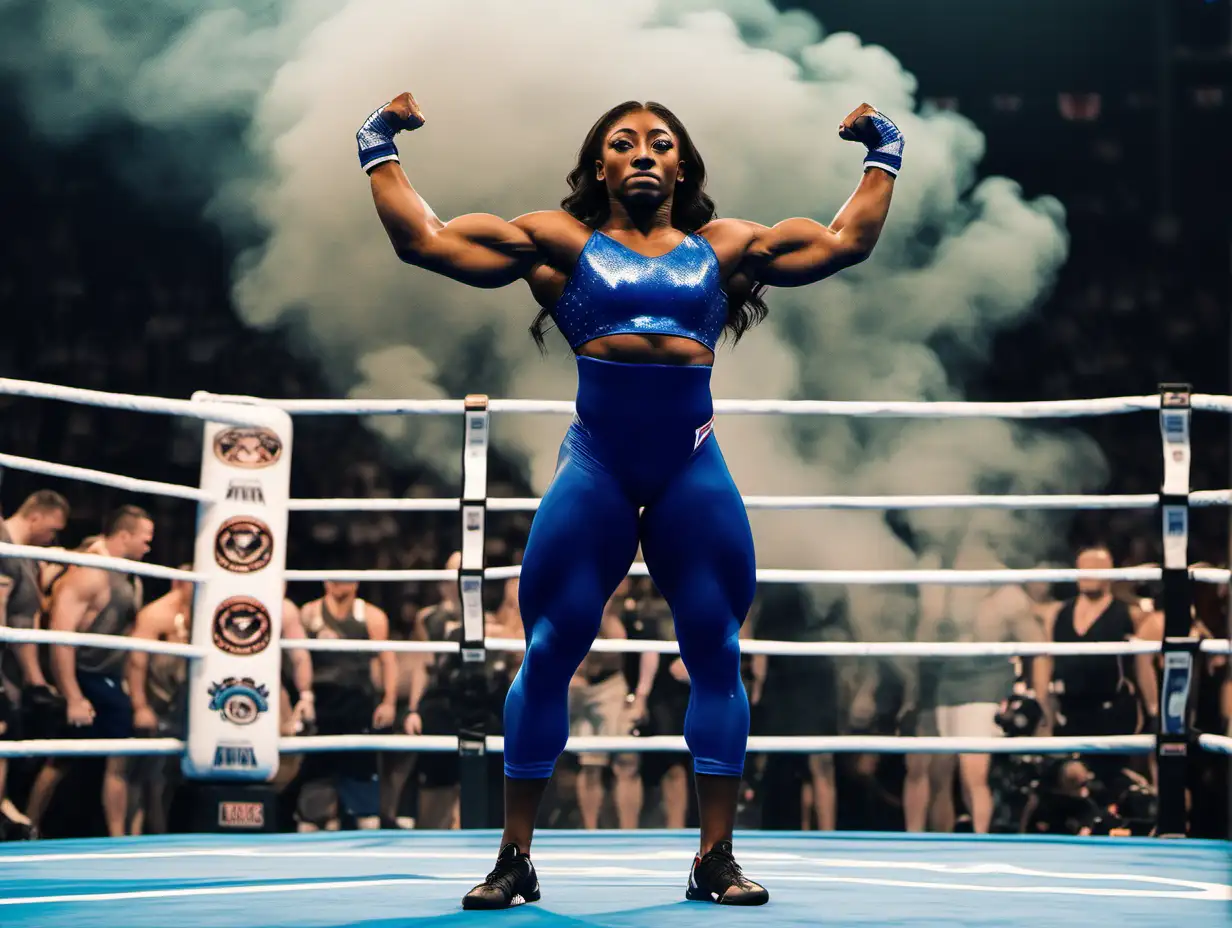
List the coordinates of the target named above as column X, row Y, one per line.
column 614, row 290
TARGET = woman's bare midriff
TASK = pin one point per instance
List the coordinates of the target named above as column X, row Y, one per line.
column 633, row 348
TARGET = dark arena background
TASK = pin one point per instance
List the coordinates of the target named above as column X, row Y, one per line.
column 1029, row 373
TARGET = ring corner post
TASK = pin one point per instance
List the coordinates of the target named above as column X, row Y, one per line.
column 473, row 709
column 234, row 689
column 1174, row 738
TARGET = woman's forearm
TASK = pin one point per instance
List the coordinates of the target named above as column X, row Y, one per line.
column 861, row 218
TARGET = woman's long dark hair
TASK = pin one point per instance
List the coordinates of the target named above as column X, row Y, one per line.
column 691, row 207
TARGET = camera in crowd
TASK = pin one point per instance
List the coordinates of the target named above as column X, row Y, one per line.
column 1061, row 795
column 1070, row 800
column 1020, row 716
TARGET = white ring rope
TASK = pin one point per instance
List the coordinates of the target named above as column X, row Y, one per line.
column 1210, row 498
column 1212, row 402
column 839, row 744
column 231, row 414
column 1199, row 498
column 1040, row 409
column 870, row 648
column 797, row 744
column 1217, row 744
column 630, row 646
column 758, row 646
column 91, row 747
column 102, row 642
column 1216, row 575
column 81, row 559
column 910, row 409
column 103, row 478
column 360, row 407
column 910, row 577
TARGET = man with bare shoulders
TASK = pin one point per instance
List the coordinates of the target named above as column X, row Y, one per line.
column 37, row 521
column 156, row 691
column 642, row 280
column 91, row 680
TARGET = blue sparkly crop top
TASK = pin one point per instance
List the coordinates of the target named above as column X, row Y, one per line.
column 614, row 290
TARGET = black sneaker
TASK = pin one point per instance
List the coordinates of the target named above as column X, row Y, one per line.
column 512, row 882
column 717, row 877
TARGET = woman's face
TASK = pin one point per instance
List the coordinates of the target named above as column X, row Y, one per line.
column 640, row 159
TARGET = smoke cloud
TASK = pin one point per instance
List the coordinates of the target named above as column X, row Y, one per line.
column 262, row 99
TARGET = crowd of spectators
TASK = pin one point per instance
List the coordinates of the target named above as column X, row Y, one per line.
column 111, row 694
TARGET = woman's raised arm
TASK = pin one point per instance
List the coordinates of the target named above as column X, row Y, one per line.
column 800, row 251
column 477, row 249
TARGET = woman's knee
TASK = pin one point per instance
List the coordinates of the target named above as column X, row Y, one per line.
column 552, row 657
column 710, row 656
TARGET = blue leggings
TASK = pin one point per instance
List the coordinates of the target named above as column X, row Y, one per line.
column 641, row 441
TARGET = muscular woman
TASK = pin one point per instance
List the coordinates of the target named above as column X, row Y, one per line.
column 642, row 281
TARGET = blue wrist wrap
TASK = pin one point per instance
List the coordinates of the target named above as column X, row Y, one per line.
column 376, row 141
column 885, row 150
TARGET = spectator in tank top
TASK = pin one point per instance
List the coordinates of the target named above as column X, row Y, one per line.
column 344, row 786
column 87, row 599
column 1094, row 694
column 37, row 521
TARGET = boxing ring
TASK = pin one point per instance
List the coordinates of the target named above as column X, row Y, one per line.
column 403, row 878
